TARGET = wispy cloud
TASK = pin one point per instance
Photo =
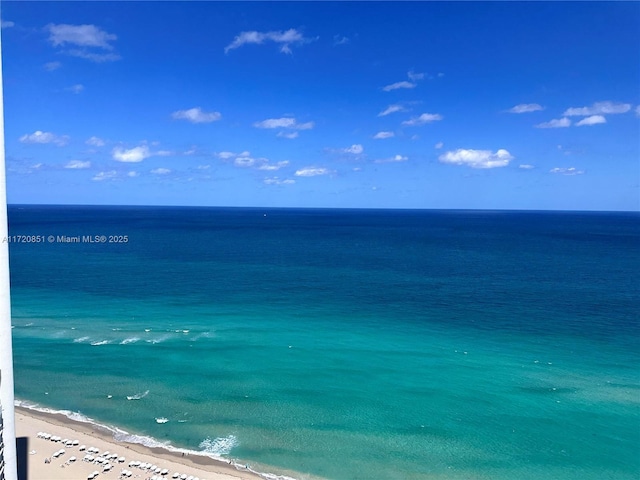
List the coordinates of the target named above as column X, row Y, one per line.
column 81, row 35
column 132, row 155
column 160, row 171
column 423, row 119
column 90, row 42
column 355, row 149
column 312, row 172
column 394, row 159
column 284, row 122
column 399, row 85
column 383, row 135
column 391, row 109
column 289, row 135
column 78, row 88
column 340, row 40
column 526, row 108
column 413, row 83
column 414, row 77
column 93, row 56
column 598, row 108
column 438, row 145
column 51, row 66
column 273, row 166
column 566, row 171
column 525, row 166
column 95, row 142
column 477, row 158
column 196, row 115
column 555, row 123
column 283, row 38
column 592, row 120
column 108, row 175
column 78, row 164
column 278, row 181
column 6, row 24
column 45, row 137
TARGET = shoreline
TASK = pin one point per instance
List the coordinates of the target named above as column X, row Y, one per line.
column 30, row 422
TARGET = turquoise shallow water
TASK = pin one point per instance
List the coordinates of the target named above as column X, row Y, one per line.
column 342, row 344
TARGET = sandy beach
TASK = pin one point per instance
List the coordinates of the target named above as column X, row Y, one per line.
column 72, row 464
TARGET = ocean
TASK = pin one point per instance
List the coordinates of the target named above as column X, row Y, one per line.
column 339, row 344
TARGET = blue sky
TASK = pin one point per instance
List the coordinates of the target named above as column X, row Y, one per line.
column 367, row 104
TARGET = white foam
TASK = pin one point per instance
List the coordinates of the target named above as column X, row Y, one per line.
column 80, row 340
column 129, row 340
column 138, row 396
column 162, row 419
column 101, row 342
column 219, row 446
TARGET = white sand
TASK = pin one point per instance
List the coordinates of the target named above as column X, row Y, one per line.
column 29, row 423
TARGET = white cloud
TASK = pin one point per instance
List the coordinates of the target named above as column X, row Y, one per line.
column 87, row 37
column 423, row 119
column 525, row 166
column 51, row 66
column 132, row 174
column 395, row 158
column 311, row 172
column 45, row 137
column 398, row 85
column 415, row 76
column 203, row 167
column 226, row 155
column 95, row 142
column 94, row 57
column 555, row 123
column 80, row 35
column 638, row 111
column 284, row 39
column 132, row 155
column 76, row 88
column 284, row 122
column 383, row 135
column 598, row 108
column 477, row 158
column 340, row 40
column 391, row 109
column 160, row 171
column 439, row 145
column 6, row 24
column 274, row 166
column 289, row 135
column 526, row 108
column 79, row 164
column 592, row 120
column 355, row 149
column 105, row 175
column 566, row 171
column 196, row 115
column 277, row 181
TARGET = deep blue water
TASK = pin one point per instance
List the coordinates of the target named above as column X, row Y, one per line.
column 342, row 343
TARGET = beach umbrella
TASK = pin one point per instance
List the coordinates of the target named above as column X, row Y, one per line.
column 164, row 471
column 72, row 459
column 175, row 475
column 121, row 459
column 82, row 448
